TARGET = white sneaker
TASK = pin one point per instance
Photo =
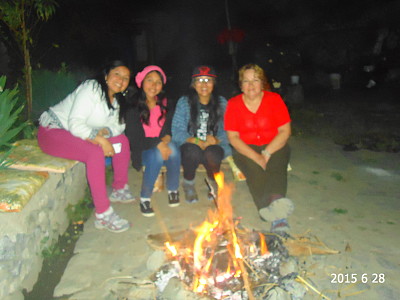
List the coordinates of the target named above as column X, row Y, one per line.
column 111, row 221
column 123, row 195
column 278, row 209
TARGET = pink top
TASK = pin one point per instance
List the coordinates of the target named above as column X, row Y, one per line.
column 155, row 126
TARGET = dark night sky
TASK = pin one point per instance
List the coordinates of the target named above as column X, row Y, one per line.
column 181, row 34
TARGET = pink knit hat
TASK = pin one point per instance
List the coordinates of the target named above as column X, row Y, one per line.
column 141, row 75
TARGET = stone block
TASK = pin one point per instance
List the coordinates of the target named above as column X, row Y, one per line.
column 26, row 233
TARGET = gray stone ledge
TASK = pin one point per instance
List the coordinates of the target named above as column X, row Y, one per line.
column 24, row 235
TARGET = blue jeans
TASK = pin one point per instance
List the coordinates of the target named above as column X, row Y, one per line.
column 152, row 161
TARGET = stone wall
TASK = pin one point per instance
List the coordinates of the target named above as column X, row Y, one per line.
column 23, row 235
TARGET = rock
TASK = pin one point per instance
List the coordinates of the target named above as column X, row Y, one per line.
column 175, row 290
column 277, row 294
column 14, row 296
column 140, row 293
column 294, row 288
column 288, row 266
column 155, row 260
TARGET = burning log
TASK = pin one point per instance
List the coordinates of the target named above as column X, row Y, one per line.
column 223, row 260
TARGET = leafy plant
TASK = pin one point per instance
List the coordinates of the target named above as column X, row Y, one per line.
column 21, row 17
column 49, row 88
column 51, row 250
column 82, row 210
column 9, row 114
column 337, row 176
column 340, row 211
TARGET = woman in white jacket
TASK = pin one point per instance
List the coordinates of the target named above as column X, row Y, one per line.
column 86, row 126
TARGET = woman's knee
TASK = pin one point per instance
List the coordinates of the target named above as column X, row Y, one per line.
column 152, row 157
column 95, row 154
column 214, row 153
column 190, row 151
column 175, row 153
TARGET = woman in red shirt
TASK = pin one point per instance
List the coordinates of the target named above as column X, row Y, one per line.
column 257, row 123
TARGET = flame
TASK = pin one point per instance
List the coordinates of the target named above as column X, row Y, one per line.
column 263, row 245
column 203, row 236
column 218, row 227
column 171, row 248
column 219, row 179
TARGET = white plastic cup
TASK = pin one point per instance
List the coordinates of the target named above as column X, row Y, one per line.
column 335, row 79
column 294, row 79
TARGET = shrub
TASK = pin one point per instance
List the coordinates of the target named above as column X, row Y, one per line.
column 10, row 111
column 49, row 88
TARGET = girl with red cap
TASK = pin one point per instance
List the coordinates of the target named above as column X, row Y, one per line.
column 198, row 129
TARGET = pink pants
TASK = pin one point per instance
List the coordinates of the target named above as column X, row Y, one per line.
column 61, row 143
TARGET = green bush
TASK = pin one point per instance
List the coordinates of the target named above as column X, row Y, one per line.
column 10, row 111
column 49, row 88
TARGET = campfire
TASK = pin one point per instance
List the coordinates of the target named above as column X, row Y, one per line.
column 221, row 259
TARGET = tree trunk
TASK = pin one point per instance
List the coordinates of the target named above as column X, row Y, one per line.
column 27, row 68
column 28, row 82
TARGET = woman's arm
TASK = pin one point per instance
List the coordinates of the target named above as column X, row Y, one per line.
column 221, row 134
column 180, row 122
column 166, row 139
column 246, row 150
column 279, row 141
column 163, row 147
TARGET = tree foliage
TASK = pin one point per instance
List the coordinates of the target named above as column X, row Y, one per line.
column 21, row 18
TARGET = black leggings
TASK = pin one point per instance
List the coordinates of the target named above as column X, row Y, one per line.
column 265, row 185
column 192, row 155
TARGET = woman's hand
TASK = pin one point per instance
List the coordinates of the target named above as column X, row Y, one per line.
column 107, row 147
column 261, row 160
column 103, row 132
column 197, row 141
column 166, row 139
column 212, row 140
column 104, row 143
column 246, row 150
column 165, row 150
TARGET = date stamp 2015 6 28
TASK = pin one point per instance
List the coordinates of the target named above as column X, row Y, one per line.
column 355, row 278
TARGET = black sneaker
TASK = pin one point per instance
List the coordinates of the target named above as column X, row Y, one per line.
column 145, row 208
column 173, row 199
column 190, row 193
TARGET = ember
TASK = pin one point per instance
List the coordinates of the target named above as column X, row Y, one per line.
column 225, row 261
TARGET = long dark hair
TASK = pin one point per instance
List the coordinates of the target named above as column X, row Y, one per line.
column 101, row 80
column 139, row 101
column 213, row 107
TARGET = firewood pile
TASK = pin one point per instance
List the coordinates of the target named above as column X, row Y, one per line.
column 263, row 257
column 220, row 259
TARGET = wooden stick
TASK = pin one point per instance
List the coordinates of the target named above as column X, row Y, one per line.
column 311, row 287
column 246, row 280
column 250, row 267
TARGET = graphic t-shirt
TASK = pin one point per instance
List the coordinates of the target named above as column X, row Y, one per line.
column 202, row 120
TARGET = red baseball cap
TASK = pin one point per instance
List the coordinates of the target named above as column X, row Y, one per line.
column 204, row 71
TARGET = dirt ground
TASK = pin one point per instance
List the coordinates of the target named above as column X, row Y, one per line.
column 348, row 200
